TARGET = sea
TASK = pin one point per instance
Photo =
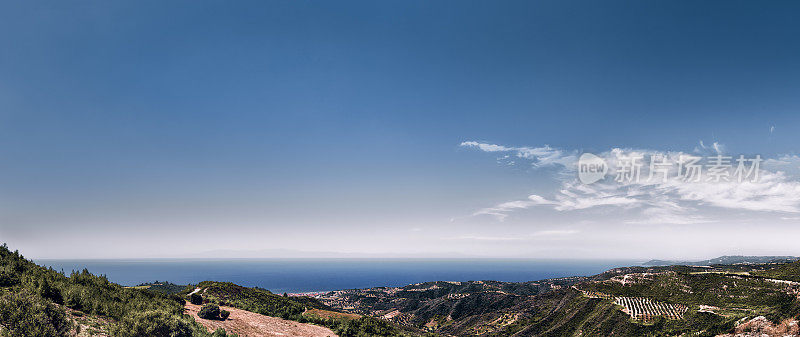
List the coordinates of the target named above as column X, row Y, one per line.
column 321, row 275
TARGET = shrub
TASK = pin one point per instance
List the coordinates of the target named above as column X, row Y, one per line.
column 209, row 311
column 27, row 314
column 224, row 314
column 195, row 298
column 49, row 291
column 255, row 300
column 27, row 292
column 7, row 277
column 222, row 333
column 365, row 326
column 73, row 299
column 154, row 323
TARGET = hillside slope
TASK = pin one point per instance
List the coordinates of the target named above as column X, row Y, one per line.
column 740, row 299
column 788, row 271
column 249, row 324
column 629, row 301
column 299, row 309
column 35, row 301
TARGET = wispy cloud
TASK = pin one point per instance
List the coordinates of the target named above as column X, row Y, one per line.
column 556, row 232
column 715, row 146
column 486, row 238
column 653, row 199
column 787, row 164
column 539, row 156
column 539, row 234
column 501, row 211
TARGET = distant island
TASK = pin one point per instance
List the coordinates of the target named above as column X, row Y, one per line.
column 732, row 259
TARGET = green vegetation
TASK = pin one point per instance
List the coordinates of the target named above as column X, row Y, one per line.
column 788, row 271
column 163, row 287
column 726, row 293
column 209, row 311
column 264, row 302
column 567, row 313
column 153, row 323
column 361, row 327
column 36, row 301
column 25, row 313
column 756, row 295
column 365, row 326
column 196, row 299
column 256, row 300
column 33, row 301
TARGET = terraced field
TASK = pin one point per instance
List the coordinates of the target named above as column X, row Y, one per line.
column 645, row 309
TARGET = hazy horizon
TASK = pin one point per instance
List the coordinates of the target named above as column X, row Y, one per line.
column 280, row 254
column 396, row 128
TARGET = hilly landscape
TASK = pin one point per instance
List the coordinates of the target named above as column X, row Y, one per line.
column 752, row 299
column 746, row 299
column 37, row 301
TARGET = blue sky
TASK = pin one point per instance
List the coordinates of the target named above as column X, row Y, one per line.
column 336, row 126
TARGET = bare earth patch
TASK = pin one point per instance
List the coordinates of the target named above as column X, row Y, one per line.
column 250, row 324
column 330, row 314
column 761, row 327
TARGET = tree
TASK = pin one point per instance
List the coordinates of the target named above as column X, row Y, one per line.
column 27, row 314
column 154, row 323
column 195, row 298
column 209, row 311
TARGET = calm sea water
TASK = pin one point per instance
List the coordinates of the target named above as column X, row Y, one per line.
column 307, row 275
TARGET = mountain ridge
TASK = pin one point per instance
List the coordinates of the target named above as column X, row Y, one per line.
column 725, row 259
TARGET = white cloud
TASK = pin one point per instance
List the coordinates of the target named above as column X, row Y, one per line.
column 540, row 156
column 714, row 148
column 501, row 211
column 788, row 164
column 656, row 215
column 555, row 232
column 543, row 233
column 485, row 238
column 655, row 201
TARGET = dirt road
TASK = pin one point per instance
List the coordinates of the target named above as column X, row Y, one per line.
column 249, row 324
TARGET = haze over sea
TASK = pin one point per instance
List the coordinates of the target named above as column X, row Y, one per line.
column 312, row 275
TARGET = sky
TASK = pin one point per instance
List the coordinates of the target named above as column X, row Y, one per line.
column 393, row 128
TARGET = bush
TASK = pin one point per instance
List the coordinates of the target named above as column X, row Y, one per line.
column 49, row 291
column 255, row 300
column 220, row 332
column 224, row 314
column 27, row 314
column 155, row 323
column 365, row 326
column 7, row 278
column 195, row 298
column 209, row 311
column 27, row 292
